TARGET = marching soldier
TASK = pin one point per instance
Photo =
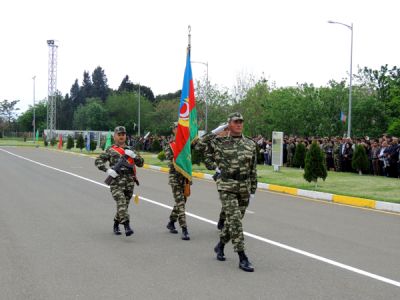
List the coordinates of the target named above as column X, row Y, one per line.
column 235, row 156
column 177, row 183
column 123, row 181
column 202, row 146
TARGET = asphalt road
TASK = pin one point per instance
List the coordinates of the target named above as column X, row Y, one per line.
column 56, row 241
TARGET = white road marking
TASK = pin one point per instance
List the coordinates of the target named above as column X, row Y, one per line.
column 257, row 237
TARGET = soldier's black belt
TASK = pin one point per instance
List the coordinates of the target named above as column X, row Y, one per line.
column 234, row 176
column 126, row 172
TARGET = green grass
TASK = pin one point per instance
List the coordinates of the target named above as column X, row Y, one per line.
column 29, row 143
column 19, row 142
column 349, row 184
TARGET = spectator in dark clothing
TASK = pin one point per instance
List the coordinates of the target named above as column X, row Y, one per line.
column 347, row 156
column 392, row 155
column 374, row 157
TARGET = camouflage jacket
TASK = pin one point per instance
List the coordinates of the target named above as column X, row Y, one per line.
column 175, row 178
column 112, row 157
column 237, row 160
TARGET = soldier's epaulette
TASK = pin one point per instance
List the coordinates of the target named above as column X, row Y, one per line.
column 249, row 138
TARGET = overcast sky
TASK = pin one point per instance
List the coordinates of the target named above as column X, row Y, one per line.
column 288, row 41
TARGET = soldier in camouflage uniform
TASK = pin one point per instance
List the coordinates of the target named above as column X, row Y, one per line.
column 177, row 183
column 202, row 146
column 122, row 184
column 291, row 148
column 336, row 155
column 235, row 155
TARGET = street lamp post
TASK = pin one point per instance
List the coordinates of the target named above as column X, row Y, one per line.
column 351, row 73
column 139, row 112
column 205, row 98
column 34, row 117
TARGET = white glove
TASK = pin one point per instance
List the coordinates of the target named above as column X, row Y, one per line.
column 219, row 128
column 252, row 197
column 112, row 173
column 130, row 153
column 217, row 170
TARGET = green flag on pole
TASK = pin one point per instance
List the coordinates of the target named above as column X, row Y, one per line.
column 37, row 135
column 108, row 141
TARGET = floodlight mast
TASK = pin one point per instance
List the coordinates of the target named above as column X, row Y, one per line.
column 52, row 88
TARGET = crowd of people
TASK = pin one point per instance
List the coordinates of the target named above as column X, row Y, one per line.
column 383, row 153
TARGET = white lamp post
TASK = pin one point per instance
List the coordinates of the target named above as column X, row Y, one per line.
column 351, row 73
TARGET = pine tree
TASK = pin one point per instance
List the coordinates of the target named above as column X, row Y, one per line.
column 99, row 84
column 299, row 155
column 80, row 142
column 86, row 90
column 360, row 159
column 93, row 145
column 315, row 164
column 126, row 85
column 161, row 156
column 70, row 142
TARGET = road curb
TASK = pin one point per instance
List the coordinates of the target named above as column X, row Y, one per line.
column 348, row 200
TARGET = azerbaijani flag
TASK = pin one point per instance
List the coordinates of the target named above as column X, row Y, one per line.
column 343, row 117
column 187, row 125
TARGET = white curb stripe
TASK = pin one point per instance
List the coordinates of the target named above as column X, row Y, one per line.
column 315, row 195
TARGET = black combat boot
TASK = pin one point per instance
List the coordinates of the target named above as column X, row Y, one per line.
column 128, row 229
column 219, row 249
column 185, row 234
column 171, row 227
column 220, row 224
column 244, row 263
column 116, row 228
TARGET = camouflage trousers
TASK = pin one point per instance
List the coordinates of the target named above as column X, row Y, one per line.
column 122, row 190
column 178, row 212
column 234, row 206
column 336, row 162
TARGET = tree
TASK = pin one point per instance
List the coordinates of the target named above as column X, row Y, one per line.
column 218, row 104
column 165, row 112
column 92, row 116
column 122, row 109
column 93, row 145
column 394, row 128
column 253, row 109
column 80, row 142
column 299, row 155
column 244, row 82
column 76, row 95
column 65, row 112
column 360, row 159
column 87, row 87
column 8, row 111
column 70, row 142
column 24, row 120
column 315, row 164
column 126, row 85
column 99, row 84
column 169, row 96
column 161, row 156
column 145, row 91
